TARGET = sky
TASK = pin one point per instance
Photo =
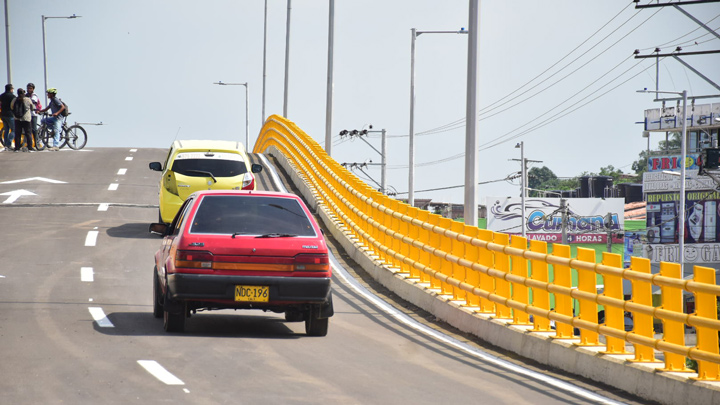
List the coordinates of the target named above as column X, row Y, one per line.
column 558, row 75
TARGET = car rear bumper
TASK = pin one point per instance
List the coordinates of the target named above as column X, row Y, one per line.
column 210, row 287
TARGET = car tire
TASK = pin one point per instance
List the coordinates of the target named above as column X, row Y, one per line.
column 157, row 296
column 174, row 322
column 316, row 327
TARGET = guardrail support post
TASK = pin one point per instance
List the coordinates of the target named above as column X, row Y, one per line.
column 673, row 332
column 707, row 338
column 445, row 266
column 587, row 282
column 562, row 276
column 472, row 277
column 458, row 250
column 614, row 317
column 502, row 287
column 435, row 261
column 540, row 297
column 519, row 291
column 423, row 235
column 487, row 283
column 642, row 324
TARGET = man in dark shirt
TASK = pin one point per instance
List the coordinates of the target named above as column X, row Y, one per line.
column 8, row 119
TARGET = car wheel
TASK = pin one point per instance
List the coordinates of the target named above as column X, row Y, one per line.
column 157, row 296
column 174, row 322
column 316, row 327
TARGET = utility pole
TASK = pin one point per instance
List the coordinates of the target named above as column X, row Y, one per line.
column 608, row 226
column 382, row 152
column 564, row 220
column 523, row 183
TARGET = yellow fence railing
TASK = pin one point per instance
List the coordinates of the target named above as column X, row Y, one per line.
column 490, row 272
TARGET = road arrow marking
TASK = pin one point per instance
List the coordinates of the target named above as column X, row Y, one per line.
column 14, row 195
column 34, row 178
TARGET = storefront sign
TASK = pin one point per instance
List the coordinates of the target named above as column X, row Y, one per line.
column 694, row 253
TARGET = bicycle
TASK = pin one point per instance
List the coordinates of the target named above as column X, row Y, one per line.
column 73, row 136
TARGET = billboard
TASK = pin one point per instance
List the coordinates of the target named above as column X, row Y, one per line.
column 587, row 218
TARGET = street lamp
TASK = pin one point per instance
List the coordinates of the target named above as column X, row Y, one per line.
column 247, row 107
column 683, row 166
column 45, row 49
column 411, row 176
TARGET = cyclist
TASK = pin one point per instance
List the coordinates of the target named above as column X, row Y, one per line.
column 56, row 107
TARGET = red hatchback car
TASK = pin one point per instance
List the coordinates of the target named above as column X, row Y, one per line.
column 243, row 250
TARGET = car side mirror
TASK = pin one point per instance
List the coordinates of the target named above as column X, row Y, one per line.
column 157, row 166
column 256, row 168
column 158, row 229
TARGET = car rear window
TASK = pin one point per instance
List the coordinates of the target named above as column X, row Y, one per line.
column 251, row 215
column 218, row 167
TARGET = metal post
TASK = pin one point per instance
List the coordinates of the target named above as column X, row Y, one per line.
column 247, row 114
column 7, row 43
column 411, row 157
column 471, row 133
column 264, row 65
column 287, row 60
column 523, row 175
column 683, row 159
column 563, row 221
column 44, row 60
column 383, row 169
column 329, row 100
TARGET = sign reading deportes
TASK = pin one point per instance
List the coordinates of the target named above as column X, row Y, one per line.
column 586, row 218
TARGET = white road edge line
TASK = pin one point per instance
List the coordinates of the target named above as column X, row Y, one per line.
column 387, row 308
column 87, row 274
column 122, row 172
column 99, row 317
column 159, row 372
column 91, row 238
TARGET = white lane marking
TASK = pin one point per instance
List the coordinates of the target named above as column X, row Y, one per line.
column 99, row 317
column 185, row 390
column 91, row 238
column 390, row 310
column 129, row 158
column 273, row 173
column 133, row 150
column 113, row 186
column 1, row 276
column 15, row 194
column 159, row 372
column 103, row 207
column 90, row 300
column 122, row 172
column 86, row 274
column 34, row 178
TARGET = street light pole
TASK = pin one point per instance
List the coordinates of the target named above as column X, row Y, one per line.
column 247, row 109
column 7, row 42
column 523, row 181
column 287, row 60
column 411, row 160
column 45, row 50
column 264, row 65
column 329, row 97
column 683, row 167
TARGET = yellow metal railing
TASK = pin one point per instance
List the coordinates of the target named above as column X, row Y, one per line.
column 489, row 273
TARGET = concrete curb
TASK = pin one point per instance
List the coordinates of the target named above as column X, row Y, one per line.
column 638, row 379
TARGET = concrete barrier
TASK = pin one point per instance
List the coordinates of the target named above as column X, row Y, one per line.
column 641, row 379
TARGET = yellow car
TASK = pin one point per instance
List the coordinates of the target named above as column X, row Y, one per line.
column 202, row 165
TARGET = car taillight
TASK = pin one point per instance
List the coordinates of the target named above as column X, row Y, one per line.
column 311, row 262
column 194, row 259
column 248, row 182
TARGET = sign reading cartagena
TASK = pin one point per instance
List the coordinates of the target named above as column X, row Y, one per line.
column 589, row 219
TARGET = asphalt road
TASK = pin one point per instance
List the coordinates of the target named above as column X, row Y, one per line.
column 76, row 324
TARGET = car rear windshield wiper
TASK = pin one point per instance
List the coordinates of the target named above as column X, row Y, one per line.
column 202, row 172
column 277, row 235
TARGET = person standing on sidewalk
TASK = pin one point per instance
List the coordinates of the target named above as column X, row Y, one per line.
column 7, row 116
column 22, row 108
column 37, row 106
column 56, row 106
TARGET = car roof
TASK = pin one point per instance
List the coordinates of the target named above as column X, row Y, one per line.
column 205, row 145
column 246, row 192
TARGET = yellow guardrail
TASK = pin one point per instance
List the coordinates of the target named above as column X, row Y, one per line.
column 490, row 273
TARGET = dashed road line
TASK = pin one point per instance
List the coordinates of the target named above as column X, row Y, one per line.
column 91, row 238
column 103, row 207
column 129, row 158
column 87, row 274
column 159, row 372
column 122, row 172
column 99, row 316
column 113, row 186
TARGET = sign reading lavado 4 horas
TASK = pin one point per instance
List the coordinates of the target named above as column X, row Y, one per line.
column 587, row 218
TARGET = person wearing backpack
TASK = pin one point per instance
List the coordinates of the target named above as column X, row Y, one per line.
column 56, row 107
column 7, row 116
column 21, row 108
